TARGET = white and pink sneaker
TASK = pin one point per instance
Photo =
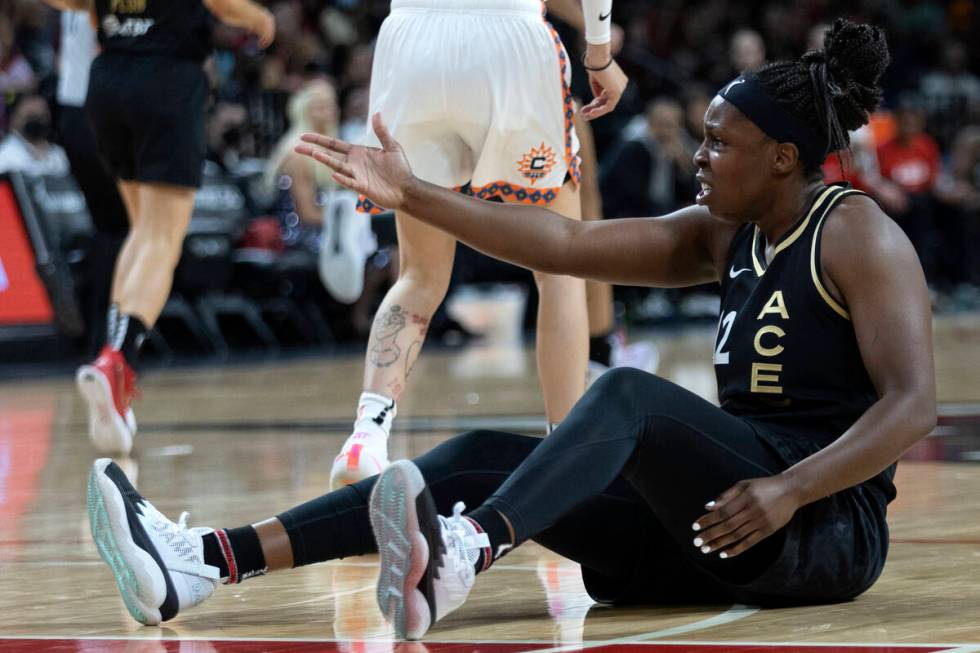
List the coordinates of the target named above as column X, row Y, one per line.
column 365, row 454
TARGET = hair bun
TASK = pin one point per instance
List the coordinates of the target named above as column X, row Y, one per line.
column 856, row 55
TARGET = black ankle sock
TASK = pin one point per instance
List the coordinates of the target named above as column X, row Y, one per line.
column 130, row 333
column 600, row 349
column 213, row 555
column 493, row 524
column 236, row 552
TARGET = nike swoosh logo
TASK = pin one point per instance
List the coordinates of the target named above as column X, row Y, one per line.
column 730, row 85
column 608, row 14
column 734, row 273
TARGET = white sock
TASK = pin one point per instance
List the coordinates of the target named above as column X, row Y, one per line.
column 375, row 413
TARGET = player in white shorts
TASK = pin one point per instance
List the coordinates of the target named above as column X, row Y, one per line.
column 477, row 93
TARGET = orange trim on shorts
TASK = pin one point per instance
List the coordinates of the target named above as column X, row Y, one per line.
column 572, row 160
column 512, row 193
column 364, row 205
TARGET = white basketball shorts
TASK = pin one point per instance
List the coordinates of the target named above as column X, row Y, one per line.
column 477, row 93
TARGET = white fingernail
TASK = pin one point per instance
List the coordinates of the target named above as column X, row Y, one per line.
column 698, row 541
column 722, row 555
column 710, row 504
column 705, row 549
column 696, row 526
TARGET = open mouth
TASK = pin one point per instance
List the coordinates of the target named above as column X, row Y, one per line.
column 704, row 193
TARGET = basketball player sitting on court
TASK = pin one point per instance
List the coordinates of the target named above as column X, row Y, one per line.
column 825, row 374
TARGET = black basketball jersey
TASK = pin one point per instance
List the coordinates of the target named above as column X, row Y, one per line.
column 179, row 28
column 786, row 352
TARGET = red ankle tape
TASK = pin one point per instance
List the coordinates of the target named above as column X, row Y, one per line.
column 229, row 555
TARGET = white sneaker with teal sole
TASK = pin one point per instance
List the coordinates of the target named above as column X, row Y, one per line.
column 158, row 564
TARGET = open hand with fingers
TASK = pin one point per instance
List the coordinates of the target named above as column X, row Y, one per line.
column 381, row 174
column 606, row 79
column 745, row 514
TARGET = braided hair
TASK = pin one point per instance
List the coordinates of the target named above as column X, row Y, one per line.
column 835, row 89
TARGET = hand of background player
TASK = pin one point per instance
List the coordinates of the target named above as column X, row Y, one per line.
column 380, row 174
column 265, row 29
column 744, row 514
column 607, row 85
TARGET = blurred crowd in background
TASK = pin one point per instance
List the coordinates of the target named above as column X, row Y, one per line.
column 920, row 156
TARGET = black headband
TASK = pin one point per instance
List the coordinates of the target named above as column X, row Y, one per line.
column 754, row 102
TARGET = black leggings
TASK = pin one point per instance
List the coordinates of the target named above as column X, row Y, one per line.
column 615, row 488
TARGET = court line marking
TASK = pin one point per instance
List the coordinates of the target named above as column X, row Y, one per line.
column 948, row 412
column 734, row 613
column 942, row 648
column 329, row 595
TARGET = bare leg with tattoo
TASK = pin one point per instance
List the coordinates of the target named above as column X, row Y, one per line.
column 397, row 335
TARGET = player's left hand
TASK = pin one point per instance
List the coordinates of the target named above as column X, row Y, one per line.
column 381, row 174
column 745, row 514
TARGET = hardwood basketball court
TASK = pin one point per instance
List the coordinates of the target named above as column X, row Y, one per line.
column 237, row 443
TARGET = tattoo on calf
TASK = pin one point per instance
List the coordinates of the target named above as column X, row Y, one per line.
column 384, row 350
column 412, row 356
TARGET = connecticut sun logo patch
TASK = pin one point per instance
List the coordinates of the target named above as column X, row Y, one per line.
column 537, row 163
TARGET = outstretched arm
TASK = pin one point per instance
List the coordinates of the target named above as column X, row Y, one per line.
column 70, row 5
column 870, row 263
column 680, row 249
column 245, row 14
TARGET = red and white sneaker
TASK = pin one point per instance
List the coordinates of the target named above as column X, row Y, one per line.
column 365, row 454
column 108, row 386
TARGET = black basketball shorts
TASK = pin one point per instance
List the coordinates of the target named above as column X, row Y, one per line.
column 148, row 112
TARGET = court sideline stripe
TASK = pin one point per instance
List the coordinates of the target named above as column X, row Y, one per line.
column 946, row 647
column 735, row 613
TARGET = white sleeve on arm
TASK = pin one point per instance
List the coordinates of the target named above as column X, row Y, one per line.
column 597, row 21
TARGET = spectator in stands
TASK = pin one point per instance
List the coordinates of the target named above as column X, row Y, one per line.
column 695, row 99
column 16, row 74
column 911, row 160
column 302, row 190
column 960, row 183
column 229, row 138
column 959, row 190
column 747, row 51
column 300, row 182
column 651, row 172
column 352, row 126
column 28, row 147
column 951, row 93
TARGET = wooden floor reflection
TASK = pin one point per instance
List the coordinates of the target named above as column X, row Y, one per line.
column 235, row 444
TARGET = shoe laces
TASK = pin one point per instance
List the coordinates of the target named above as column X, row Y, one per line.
column 461, row 539
column 182, row 542
column 177, row 535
